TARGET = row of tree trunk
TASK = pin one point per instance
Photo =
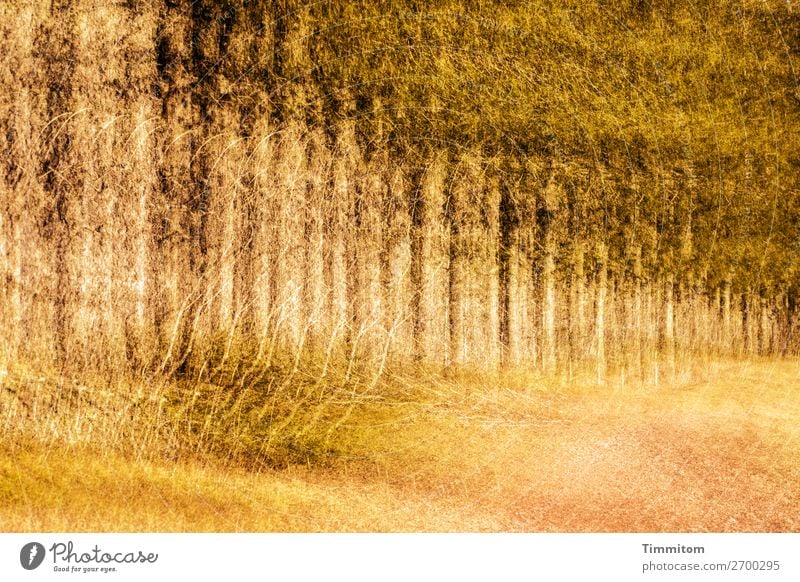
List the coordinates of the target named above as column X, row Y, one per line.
column 149, row 221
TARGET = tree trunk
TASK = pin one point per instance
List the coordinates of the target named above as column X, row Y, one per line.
column 578, row 308
column 600, row 312
column 432, row 257
column 549, row 310
column 669, row 323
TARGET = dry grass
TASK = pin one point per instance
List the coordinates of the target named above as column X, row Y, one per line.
column 715, row 450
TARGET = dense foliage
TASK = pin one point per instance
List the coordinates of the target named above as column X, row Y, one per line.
column 670, row 124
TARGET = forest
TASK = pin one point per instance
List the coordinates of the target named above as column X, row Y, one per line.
column 236, row 229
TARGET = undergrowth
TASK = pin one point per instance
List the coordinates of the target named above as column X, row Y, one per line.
column 296, row 445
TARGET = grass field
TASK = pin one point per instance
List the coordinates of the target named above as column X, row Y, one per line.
column 717, row 449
